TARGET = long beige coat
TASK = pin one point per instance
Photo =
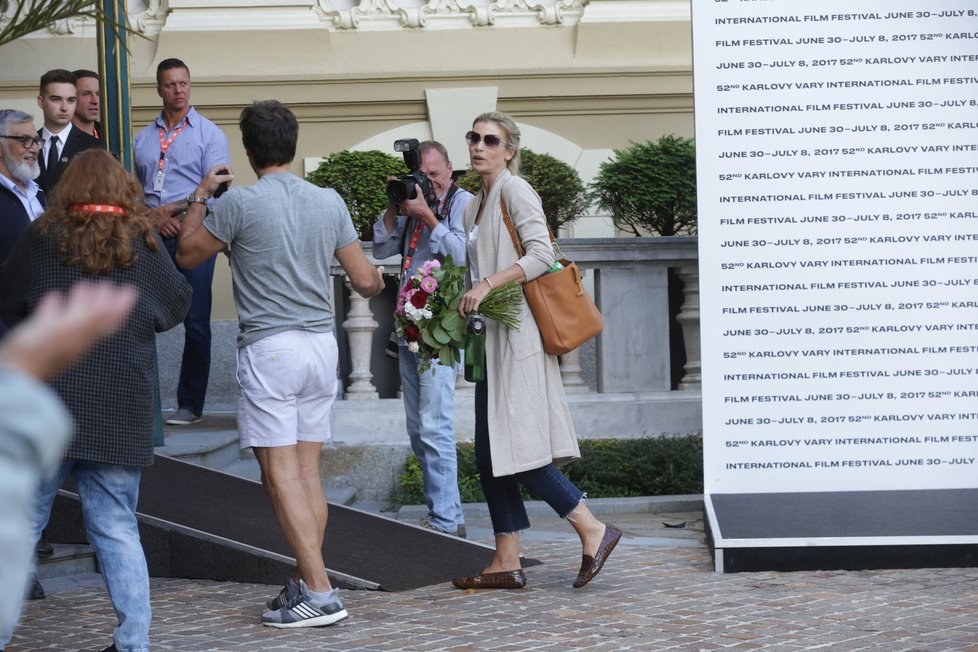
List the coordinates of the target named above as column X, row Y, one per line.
column 529, row 421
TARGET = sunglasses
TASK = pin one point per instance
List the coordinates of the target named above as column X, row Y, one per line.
column 491, row 140
column 26, row 141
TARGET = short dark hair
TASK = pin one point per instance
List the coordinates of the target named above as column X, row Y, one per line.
column 269, row 132
column 169, row 64
column 56, row 76
column 81, row 73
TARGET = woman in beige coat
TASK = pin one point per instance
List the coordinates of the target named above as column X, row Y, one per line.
column 523, row 425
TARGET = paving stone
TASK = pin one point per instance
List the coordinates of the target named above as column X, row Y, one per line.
column 655, row 593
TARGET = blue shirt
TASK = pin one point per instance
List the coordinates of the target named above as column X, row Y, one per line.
column 446, row 239
column 198, row 147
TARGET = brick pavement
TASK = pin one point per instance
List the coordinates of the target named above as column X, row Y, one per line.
column 656, row 593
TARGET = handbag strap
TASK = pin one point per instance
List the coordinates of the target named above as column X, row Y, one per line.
column 516, row 238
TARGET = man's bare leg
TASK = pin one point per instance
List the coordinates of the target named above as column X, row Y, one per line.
column 300, row 517
column 309, row 473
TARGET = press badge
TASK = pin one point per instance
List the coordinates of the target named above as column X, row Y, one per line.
column 158, row 182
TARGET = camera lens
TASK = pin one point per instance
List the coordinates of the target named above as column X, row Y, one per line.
column 400, row 189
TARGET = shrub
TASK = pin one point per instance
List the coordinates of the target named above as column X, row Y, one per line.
column 650, row 187
column 361, row 180
column 656, row 466
column 561, row 190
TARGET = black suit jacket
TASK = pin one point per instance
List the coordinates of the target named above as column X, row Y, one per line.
column 78, row 141
column 14, row 220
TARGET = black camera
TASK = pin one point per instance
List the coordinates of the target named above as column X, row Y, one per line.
column 223, row 188
column 408, row 185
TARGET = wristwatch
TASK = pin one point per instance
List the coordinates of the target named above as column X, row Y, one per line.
column 194, row 199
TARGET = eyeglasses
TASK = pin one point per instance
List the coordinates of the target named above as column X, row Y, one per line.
column 27, row 141
column 492, row 141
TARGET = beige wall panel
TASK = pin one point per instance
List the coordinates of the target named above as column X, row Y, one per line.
column 621, row 74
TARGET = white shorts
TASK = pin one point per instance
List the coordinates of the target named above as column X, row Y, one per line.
column 286, row 387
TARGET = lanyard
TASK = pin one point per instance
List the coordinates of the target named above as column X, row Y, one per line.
column 165, row 145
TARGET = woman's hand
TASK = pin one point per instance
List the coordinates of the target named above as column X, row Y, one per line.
column 472, row 299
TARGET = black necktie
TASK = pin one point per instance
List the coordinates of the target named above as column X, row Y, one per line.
column 53, row 154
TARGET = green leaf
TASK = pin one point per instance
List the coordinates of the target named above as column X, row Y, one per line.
column 429, row 339
column 453, row 321
column 650, row 187
column 440, row 336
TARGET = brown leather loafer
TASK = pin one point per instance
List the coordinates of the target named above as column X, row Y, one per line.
column 591, row 566
column 505, row 580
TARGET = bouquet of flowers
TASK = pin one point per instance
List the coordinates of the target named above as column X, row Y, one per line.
column 427, row 311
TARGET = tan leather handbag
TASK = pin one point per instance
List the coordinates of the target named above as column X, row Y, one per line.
column 561, row 307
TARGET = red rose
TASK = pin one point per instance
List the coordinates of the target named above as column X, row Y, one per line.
column 412, row 333
column 419, row 299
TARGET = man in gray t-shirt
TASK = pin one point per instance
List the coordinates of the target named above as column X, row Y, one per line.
column 281, row 235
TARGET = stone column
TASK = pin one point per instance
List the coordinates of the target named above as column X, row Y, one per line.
column 359, row 326
column 571, row 373
column 689, row 319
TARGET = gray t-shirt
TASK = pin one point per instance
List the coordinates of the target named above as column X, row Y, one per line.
column 281, row 234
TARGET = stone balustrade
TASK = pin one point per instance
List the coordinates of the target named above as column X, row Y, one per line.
column 630, row 282
column 640, row 377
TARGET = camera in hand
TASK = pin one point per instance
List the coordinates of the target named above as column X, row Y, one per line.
column 223, row 188
column 408, row 185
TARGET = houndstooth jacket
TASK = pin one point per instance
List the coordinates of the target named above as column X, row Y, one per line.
column 111, row 393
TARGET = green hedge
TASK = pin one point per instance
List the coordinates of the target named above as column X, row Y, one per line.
column 661, row 466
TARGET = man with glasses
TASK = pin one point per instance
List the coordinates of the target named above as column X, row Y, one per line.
column 57, row 99
column 21, row 199
column 21, row 202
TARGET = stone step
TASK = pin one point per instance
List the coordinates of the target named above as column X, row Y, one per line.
column 68, row 559
column 211, row 445
column 213, row 442
column 248, row 469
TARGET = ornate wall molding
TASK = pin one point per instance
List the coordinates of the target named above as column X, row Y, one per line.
column 446, row 14
column 152, row 17
column 145, row 16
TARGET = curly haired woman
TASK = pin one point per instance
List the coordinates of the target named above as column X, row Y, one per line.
column 94, row 230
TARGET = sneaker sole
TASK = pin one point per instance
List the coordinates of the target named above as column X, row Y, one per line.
column 319, row 621
column 181, row 422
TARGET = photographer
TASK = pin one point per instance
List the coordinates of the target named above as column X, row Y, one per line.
column 423, row 232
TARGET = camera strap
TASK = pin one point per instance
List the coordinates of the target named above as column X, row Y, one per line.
column 412, row 246
column 444, row 211
column 408, row 254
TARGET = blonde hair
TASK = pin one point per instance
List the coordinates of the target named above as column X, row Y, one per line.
column 508, row 125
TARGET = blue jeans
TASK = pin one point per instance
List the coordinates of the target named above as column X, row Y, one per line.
column 506, row 509
column 429, row 407
column 108, row 498
column 196, row 365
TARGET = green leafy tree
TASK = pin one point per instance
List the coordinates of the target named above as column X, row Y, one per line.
column 31, row 15
column 361, row 180
column 561, row 190
column 650, row 187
